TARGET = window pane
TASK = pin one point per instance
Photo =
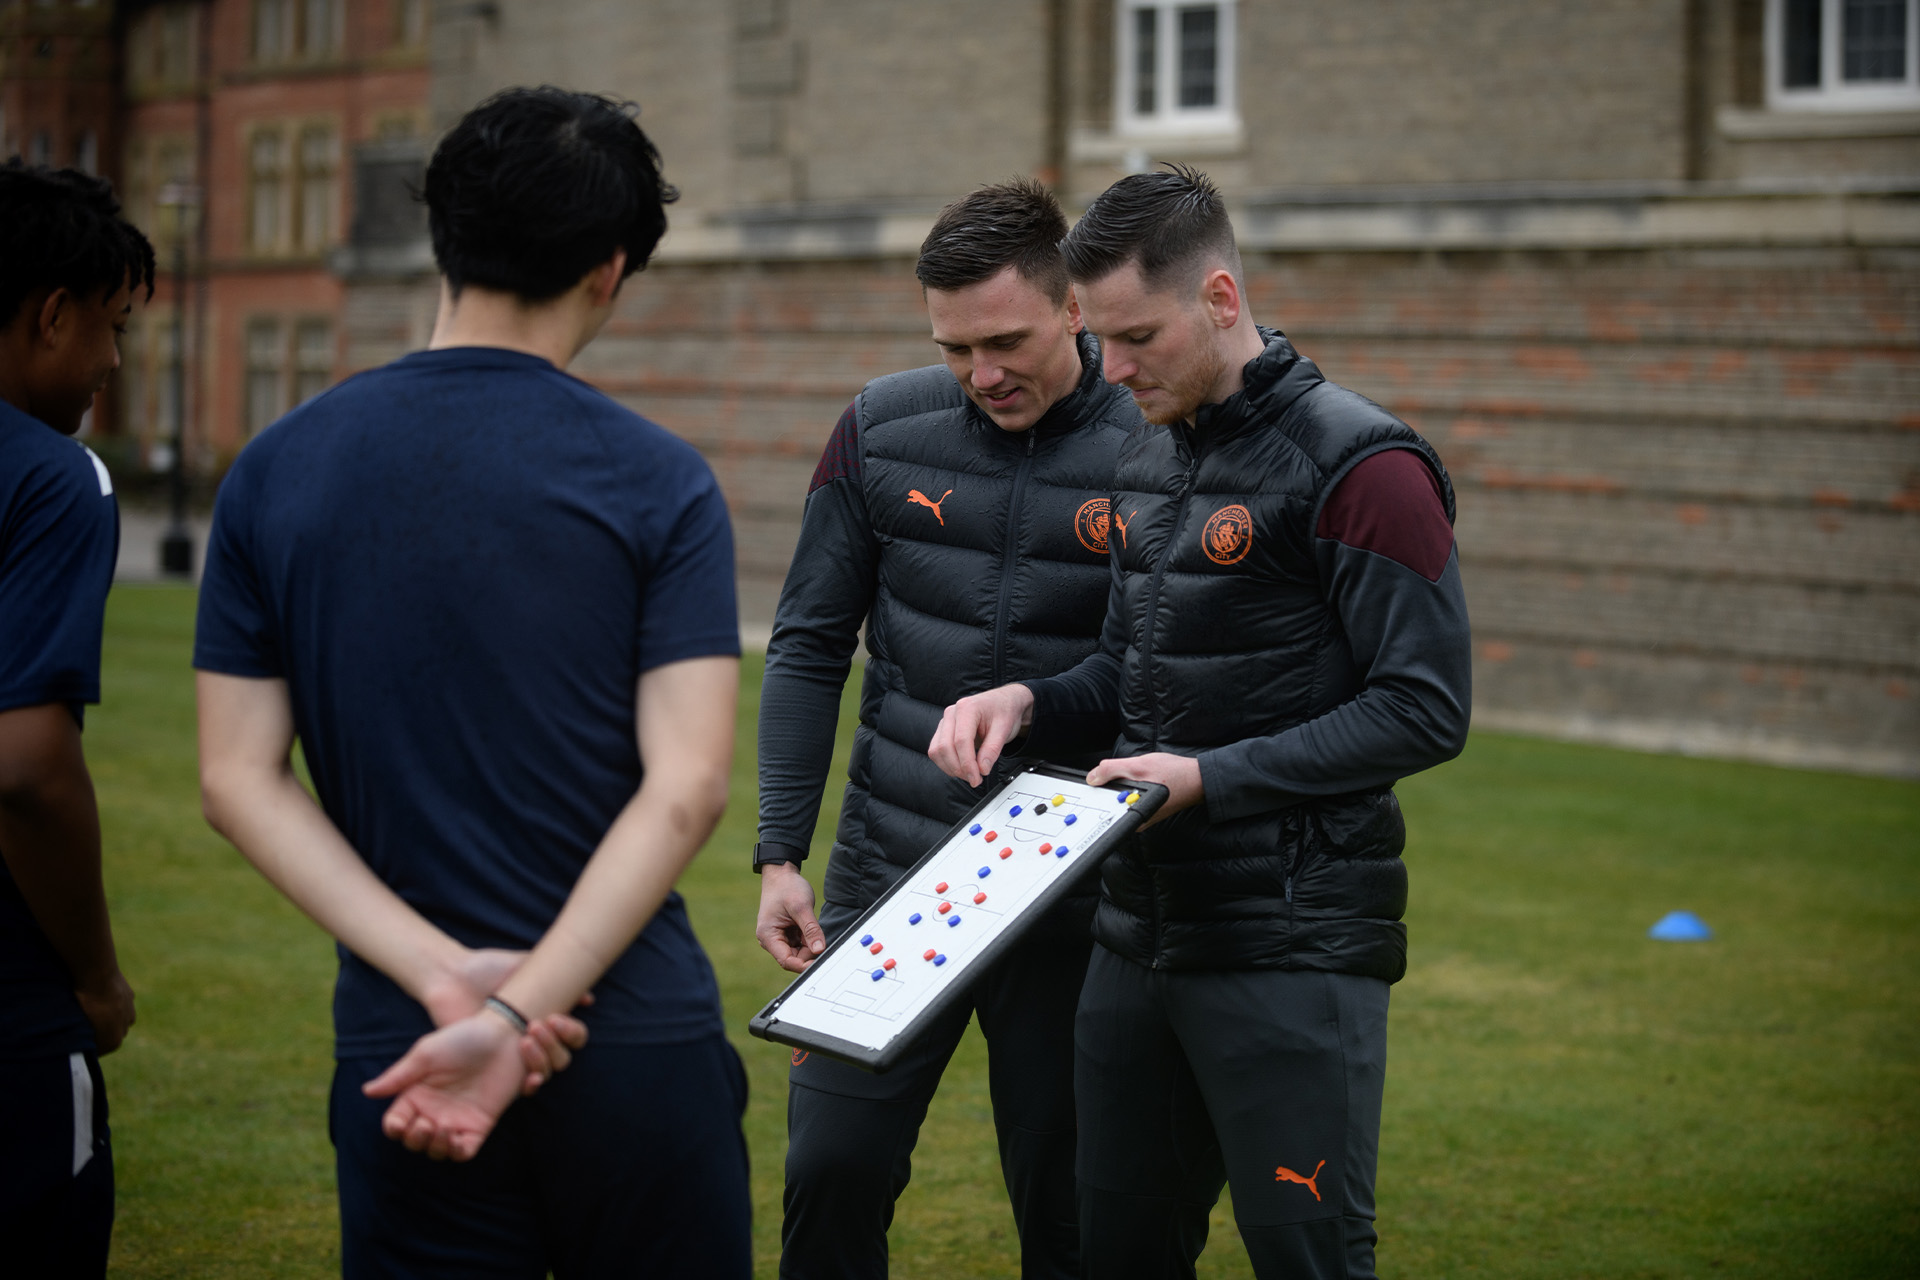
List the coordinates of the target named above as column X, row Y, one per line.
column 321, row 24
column 266, row 30
column 411, row 21
column 308, row 384
column 176, row 161
column 166, row 361
column 1146, row 60
column 313, row 359
column 140, row 47
column 268, row 164
column 176, row 52
column 1873, row 40
column 272, row 29
column 1800, row 44
column 317, row 195
column 1200, row 56
column 264, row 374
column 134, row 413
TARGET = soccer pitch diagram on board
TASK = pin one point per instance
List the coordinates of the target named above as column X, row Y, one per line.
column 908, row 958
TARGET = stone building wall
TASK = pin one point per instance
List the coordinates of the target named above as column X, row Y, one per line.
column 1667, row 340
column 1689, row 477
column 1384, row 91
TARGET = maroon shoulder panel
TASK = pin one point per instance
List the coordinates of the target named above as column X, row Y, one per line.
column 841, row 458
column 1390, row 505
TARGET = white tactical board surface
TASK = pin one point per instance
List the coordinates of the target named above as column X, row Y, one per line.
column 999, row 868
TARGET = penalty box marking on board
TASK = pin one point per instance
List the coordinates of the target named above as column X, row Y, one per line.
column 926, row 934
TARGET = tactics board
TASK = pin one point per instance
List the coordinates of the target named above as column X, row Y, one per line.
column 898, row 967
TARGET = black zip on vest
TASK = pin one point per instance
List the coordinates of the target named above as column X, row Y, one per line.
column 1007, row 561
column 1189, row 444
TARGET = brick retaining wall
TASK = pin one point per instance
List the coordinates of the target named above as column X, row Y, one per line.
column 1689, row 479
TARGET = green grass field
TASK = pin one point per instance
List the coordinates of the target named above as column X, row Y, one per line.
column 1565, row 1097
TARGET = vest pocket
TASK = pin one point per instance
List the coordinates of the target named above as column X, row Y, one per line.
column 1361, row 824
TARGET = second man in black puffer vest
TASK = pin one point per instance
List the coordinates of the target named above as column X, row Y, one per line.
column 1287, row 637
column 960, row 513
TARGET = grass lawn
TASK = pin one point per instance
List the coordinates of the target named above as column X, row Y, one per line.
column 1566, row 1097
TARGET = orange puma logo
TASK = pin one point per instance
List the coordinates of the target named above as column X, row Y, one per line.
column 1121, row 525
column 799, row 1056
column 914, row 495
column 1284, row 1174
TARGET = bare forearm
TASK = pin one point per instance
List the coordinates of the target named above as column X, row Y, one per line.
column 50, row 836
column 276, row 825
column 250, row 796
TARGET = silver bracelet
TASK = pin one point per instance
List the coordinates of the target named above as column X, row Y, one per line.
column 515, row 1019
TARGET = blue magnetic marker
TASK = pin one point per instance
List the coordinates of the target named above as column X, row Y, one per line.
column 879, row 974
column 974, row 830
column 866, row 940
column 1014, row 812
column 1072, row 818
column 914, row 918
column 985, row 872
column 952, row 921
column 939, row 960
column 1061, row 852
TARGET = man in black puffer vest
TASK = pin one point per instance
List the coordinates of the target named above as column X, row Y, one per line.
column 961, row 513
column 1286, row 637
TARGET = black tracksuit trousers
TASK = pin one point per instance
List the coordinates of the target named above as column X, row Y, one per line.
column 1266, row 1079
column 851, row 1134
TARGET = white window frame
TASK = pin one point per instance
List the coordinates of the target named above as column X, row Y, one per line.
column 1832, row 93
column 1169, row 118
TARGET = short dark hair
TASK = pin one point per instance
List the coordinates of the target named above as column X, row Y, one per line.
column 62, row 229
column 1014, row 224
column 1173, row 224
column 536, row 187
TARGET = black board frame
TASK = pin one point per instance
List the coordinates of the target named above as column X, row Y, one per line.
column 767, row 1025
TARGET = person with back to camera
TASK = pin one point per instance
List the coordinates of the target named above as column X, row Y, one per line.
column 497, row 610
column 69, row 266
column 1286, row 638
column 960, row 513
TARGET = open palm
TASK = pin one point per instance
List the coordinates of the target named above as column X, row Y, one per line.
column 451, row 1087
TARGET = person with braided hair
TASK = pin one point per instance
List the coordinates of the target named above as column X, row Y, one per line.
column 69, row 266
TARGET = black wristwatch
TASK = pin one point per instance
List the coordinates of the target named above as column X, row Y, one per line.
column 764, row 853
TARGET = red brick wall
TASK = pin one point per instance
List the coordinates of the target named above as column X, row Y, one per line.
column 1689, row 485
column 371, row 79
column 57, row 75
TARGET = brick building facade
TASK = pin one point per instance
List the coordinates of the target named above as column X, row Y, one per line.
column 57, row 83
column 1647, row 272
column 59, row 89
column 228, row 127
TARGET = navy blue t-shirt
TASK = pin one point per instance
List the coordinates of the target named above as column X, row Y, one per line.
column 461, row 564
column 59, row 536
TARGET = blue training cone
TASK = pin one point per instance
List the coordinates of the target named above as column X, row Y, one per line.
column 1680, row 926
